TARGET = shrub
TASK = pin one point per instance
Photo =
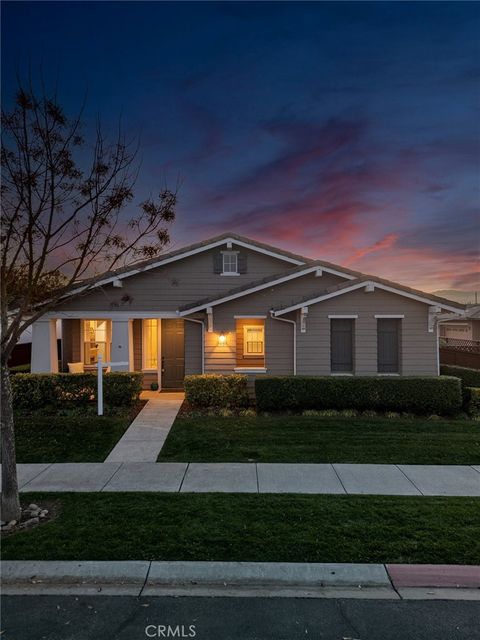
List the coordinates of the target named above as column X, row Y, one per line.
column 20, row 368
column 213, row 390
column 472, row 401
column 422, row 395
column 52, row 392
column 469, row 377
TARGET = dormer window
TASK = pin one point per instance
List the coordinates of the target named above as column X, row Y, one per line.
column 230, row 263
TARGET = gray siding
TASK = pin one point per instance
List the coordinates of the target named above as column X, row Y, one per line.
column 70, row 342
column 166, row 288
column 278, row 334
column 193, row 348
column 418, row 354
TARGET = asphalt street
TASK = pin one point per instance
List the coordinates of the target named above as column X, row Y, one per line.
column 130, row 618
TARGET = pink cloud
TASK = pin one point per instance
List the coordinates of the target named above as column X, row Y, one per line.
column 385, row 243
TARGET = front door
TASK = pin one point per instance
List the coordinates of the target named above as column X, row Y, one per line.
column 173, row 354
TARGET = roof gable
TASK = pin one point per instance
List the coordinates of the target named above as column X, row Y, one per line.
column 263, row 283
column 185, row 252
column 385, row 285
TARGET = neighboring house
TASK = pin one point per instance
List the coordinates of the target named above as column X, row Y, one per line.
column 231, row 304
column 464, row 327
column 460, row 338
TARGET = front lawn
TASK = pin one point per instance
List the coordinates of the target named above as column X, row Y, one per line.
column 69, row 438
column 273, row 528
column 292, row 438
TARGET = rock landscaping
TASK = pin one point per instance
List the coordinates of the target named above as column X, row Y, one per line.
column 32, row 516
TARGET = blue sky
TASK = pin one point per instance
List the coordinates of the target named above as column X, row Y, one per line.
column 343, row 131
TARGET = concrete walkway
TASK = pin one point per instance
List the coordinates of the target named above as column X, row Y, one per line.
column 144, row 438
column 373, row 479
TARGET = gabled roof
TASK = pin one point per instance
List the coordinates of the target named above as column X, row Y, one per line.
column 184, row 252
column 380, row 283
column 264, row 283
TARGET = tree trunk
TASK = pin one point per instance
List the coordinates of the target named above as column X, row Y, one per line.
column 10, row 497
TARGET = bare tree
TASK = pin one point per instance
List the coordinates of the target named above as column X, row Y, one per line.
column 63, row 220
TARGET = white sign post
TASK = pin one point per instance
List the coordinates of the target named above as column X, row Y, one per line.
column 100, row 366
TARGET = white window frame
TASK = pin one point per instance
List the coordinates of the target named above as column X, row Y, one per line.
column 256, row 327
column 144, row 351
column 84, row 341
column 229, row 254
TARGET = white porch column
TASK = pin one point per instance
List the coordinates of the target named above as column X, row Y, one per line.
column 44, row 347
column 122, row 345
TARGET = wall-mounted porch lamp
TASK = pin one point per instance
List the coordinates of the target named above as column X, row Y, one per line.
column 222, row 340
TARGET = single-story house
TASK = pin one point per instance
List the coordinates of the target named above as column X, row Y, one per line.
column 231, row 304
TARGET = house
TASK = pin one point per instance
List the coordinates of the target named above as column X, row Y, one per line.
column 462, row 327
column 460, row 338
column 231, row 304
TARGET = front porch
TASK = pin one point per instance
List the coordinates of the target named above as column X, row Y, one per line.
column 164, row 349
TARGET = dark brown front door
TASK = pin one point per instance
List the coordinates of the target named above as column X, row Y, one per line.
column 173, row 354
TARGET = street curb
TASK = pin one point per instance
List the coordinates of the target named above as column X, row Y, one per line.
column 266, row 579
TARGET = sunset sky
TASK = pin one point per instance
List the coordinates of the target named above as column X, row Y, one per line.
column 347, row 132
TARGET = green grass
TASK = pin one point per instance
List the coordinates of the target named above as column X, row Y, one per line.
column 274, row 528
column 87, row 438
column 321, row 439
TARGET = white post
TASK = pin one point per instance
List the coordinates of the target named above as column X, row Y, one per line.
column 99, row 386
column 44, row 346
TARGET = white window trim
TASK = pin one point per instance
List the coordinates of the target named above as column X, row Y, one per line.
column 389, row 316
column 249, row 317
column 230, row 273
column 246, row 327
column 342, row 317
column 250, row 369
column 144, row 368
column 108, row 344
column 341, row 373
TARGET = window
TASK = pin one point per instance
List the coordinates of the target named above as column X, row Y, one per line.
column 253, row 340
column 150, row 344
column 341, row 345
column 388, row 345
column 230, row 262
column 96, row 340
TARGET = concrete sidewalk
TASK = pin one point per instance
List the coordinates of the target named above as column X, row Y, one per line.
column 144, row 438
column 271, row 579
column 369, row 479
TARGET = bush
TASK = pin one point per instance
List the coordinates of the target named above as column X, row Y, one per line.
column 52, row 392
column 469, row 377
column 422, row 395
column 20, row 368
column 212, row 390
column 472, row 401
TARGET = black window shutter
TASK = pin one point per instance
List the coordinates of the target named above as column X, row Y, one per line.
column 242, row 262
column 341, row 345
column 388, row 343
column 217, row 262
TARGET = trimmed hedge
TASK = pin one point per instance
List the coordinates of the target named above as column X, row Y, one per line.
column 422, row 395
column 213, row 390
column 469, row 377
column 471, row 401
column 49, row 392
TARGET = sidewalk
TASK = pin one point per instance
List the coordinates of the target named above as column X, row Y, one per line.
column 144, row 438
column 266, row 579
column 373, row 479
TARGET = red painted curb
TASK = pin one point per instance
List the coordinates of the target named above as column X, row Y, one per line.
column 434, row 575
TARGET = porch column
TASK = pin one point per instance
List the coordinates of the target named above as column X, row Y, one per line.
column 122, row 345
column 44, row 347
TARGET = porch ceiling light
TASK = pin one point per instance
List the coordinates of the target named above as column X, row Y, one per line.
column 222, row 340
